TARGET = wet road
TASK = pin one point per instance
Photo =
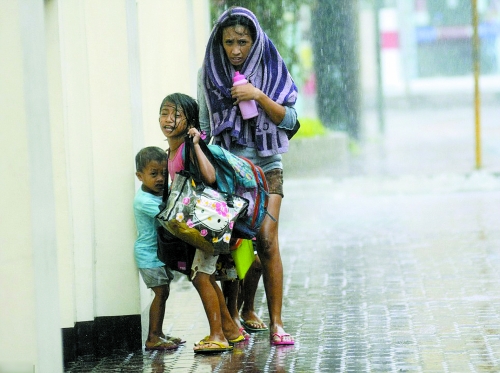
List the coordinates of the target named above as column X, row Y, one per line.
column 393, row 267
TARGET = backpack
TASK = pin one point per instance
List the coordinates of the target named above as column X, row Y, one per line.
column 240, row 176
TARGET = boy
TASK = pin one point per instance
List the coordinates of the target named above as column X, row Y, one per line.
column 151, row 163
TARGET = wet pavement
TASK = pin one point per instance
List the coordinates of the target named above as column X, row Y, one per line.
column 392, row 266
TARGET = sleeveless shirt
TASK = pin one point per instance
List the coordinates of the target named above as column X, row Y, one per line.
column 177, row 163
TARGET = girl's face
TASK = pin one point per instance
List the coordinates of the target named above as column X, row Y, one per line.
column 237, row 42
column 172, row 121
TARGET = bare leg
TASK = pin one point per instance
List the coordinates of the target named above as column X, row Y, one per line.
column 272, row 267
column 210, row 301
column 247, row 296
column 229, row 327
column 156, row 316
column 231, row 289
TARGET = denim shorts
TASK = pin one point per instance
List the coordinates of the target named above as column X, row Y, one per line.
column 158, row 276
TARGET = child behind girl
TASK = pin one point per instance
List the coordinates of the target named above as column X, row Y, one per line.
column 151, row 163
column 179, row 118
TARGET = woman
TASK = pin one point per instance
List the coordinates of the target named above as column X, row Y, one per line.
column 237, row 43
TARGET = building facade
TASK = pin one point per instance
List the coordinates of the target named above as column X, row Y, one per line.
column 81, row 83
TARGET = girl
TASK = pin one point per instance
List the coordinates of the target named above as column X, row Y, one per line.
column 179, row 118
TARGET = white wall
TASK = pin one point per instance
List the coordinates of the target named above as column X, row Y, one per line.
column 112, row 155
column 17, row 286
column 59, row 160
column 171, row 54
column 80, row 89
column 28, row 261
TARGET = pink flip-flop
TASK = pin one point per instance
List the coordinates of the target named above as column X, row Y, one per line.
column 244, row 333
column 284, row 339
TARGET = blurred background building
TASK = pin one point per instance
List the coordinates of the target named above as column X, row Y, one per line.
column 427, row 42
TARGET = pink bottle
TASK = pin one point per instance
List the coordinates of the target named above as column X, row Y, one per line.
column 248, row 108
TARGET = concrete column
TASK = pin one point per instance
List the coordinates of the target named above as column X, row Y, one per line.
column 110, row 122
column 79, row 157
column 59, row 163
column 28, row 261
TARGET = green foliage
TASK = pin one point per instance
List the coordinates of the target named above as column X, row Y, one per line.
column 310, row 127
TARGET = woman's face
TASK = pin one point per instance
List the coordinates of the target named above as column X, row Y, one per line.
column 237, row 43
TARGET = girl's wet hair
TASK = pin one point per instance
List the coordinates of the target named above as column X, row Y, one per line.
column 149, row 154
column 187, row 104
column 234, row 20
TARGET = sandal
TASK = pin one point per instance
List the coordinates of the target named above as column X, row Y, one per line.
column 163, row 345
column 285, row 339
column 238, row 339
column 253, row 326
column 204, row 343
column 244, row 333
column 176, row 340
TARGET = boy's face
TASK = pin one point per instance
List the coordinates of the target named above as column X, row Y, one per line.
column 172, row 121
column 153, row 177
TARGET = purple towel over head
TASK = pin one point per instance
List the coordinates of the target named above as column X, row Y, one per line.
column 266, row 70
